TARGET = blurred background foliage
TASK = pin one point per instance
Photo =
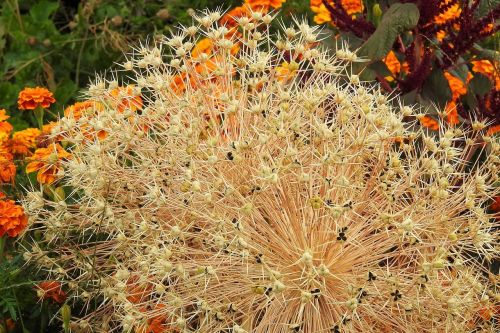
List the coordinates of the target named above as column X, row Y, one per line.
column 62, row 44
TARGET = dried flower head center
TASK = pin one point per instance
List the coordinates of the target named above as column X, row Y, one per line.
column 221, row 193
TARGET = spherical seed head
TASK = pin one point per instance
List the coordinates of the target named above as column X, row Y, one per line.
column 306, row 177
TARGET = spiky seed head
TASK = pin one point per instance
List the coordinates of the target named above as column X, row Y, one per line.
column 262, row 190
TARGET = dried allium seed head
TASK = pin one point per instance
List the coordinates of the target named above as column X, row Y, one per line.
column 259, row 190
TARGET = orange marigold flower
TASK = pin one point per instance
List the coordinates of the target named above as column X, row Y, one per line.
column 488, row 312
column 493, row 130
column 30, row 98
column 5, row 130
column 486, row 68
column 495, row 206
column 353, row 6
column 405, row 67
column 287, row 71
column 158, row 323
column 51, row 290
column 204, row 45
column 230, row 18
column 11, row 324
column 450, row 14
column 393, row 64
column 137, row 291
column 23, row 141
column 483, row 66
column 323, row 14
column 430, row 123
column 264, row 3
column 7, row 170
column 457, row 86
column 183, row 80
column 2, row 195
column 12, row 218
column 79, row 109
column 47, row 161
column 451, row 112
column 47, row 128
column 178, row 83
column 7, row 166
column 3, row 115
column 5, row 151
column 488, row 28
column 47, row 136
column 125, row 98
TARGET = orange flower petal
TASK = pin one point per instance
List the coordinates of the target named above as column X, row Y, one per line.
column 430, row 123
column 30, row 98
column 12, row 218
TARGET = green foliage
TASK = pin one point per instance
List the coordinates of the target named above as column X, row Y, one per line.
column 400, row 17
column 16, row 292
column 436, row 88
column 61, row 45
column 480, row 84
column 432, row 47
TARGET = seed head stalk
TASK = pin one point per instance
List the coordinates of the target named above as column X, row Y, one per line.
column 255, row 193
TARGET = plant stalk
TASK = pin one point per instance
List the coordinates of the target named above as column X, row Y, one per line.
column 2, row 245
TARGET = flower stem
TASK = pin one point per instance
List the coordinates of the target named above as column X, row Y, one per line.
column 2, row 245
column 39, row 116
column 3, row 325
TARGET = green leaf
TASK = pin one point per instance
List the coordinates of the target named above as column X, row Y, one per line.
column 332, row 39
column 487, row 6
column 436, row 88
column 367, row 74
column 485, row 53
column 18, row 122
column 399, row 18
column 480, row 84
column 2, row 34
column 381, row 68
column 8, row 94
column 8, row 304
column 369, row 9
column 42, row 10
column 460, row 71
column 409, row 98
column 66, row 89
column 470, row 99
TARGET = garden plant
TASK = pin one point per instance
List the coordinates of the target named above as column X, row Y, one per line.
column 256, row 166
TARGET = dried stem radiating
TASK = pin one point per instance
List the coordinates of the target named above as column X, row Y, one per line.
column 259, row 190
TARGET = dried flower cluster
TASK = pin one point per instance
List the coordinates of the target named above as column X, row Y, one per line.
column 238, row 200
